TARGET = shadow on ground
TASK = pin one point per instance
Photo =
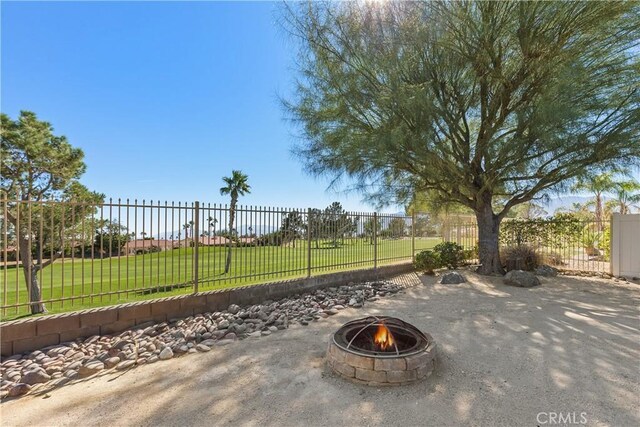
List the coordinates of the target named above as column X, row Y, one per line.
column 506, row 355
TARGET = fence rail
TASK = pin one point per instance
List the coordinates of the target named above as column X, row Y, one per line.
column 69, row 255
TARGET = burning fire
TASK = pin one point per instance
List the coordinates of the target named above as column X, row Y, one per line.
column 383, row 338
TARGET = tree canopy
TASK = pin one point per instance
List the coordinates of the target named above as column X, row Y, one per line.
column 37, row 165
column 475, row 101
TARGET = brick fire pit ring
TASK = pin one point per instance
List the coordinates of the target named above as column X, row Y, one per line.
column 380, row 350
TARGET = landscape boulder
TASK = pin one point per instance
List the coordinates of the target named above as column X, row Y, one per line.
column 546, row 271
column 522, row 279
column 35, row 377
column 452, row 278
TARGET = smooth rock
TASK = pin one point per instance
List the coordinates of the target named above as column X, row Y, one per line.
column 166, row 353
column 224, row 324
column 19, row 389
column 35, row 377
column 126, row 364
column 90, row 369
column 546, row 271
column 71, row 374
column 452, row 278
column 111, row 362
column 202, row 347
column 520, row 278
column 230, row 336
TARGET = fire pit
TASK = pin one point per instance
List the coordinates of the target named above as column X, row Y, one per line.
column 381, row 351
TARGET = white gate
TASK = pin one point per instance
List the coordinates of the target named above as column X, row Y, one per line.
column 625, row 245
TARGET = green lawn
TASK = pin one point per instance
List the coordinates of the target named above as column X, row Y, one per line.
column 155, row 275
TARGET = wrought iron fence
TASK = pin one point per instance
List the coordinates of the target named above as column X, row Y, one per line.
column 69, row 255
column 566, row 243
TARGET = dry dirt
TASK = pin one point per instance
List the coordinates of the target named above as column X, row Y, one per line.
column 507, row 356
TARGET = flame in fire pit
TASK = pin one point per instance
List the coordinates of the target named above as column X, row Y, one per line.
column 383, row 338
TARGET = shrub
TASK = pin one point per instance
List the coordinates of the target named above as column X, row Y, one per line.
column 554, row 258
column 521, row 257
column 473, row 253
column 560, row 230
column 451, row 254
column 427, row 261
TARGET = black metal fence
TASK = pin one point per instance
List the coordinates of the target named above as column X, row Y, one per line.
column 67, row 255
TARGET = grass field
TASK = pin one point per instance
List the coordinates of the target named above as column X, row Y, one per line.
column 74, row 283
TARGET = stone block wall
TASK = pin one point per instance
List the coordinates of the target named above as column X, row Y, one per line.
column 18, row 336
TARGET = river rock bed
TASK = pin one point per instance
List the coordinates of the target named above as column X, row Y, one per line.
column 53, row 366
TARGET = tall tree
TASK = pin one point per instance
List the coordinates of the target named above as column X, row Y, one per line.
column 596, row 185
column 236, row 186
column 477, row 101
column 397, row 228
column 371, row 228
column 292, row 226
column 110, row 237
column 314, row 226
column 37, row 165
column 336, row 222
column 626, row 196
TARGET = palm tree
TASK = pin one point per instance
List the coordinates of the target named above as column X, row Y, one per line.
column 236, row 186
column 626, row 196
column 212, row 224
column 597, row 185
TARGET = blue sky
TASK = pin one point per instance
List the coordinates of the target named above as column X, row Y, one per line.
column 164, row 98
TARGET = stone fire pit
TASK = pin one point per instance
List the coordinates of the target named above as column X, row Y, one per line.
column 381, row 351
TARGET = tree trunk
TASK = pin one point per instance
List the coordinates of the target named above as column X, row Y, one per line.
column 599, row 212
column 232, row 215
column 488, row 251
column 30, row 276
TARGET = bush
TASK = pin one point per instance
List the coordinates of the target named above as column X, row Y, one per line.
column 473, row 253
column 521, row 257
column 559, row 231
column 427, row 261
column 451, row 254
column 554, row 258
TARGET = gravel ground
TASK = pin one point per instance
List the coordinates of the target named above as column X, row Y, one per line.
column 507, row 356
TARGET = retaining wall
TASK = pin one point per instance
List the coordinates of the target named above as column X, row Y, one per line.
column 18, row 336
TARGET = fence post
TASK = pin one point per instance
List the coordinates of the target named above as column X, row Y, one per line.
column 375, row 240
column 196, row 244
column 611, row 244
column 413, row 235
column 309, row 228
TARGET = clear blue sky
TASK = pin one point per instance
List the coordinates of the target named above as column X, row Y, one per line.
column 164, row 98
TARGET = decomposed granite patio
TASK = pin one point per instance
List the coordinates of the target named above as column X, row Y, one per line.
column 506, row 356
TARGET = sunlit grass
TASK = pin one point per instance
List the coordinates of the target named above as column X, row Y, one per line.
column 134, row 278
